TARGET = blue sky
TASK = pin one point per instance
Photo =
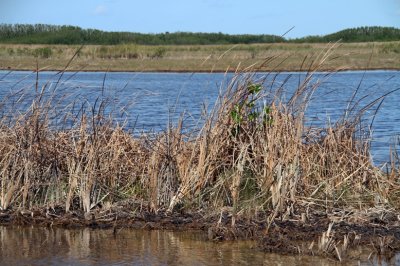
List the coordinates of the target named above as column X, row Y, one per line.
column 309, row 17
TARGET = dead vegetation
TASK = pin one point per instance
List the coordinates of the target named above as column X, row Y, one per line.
column 253, row 158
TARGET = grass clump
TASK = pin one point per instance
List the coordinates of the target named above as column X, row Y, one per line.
column 252, row 155
column 193, row 58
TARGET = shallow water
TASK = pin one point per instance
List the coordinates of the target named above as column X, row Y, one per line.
column 56, row 246
column 147, row 101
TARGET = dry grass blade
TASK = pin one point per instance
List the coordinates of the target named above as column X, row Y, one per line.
column 251, row 154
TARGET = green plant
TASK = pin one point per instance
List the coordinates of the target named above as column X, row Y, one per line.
column 45, row 52
column 159, row 53
column 10, row 51
column 391, row 48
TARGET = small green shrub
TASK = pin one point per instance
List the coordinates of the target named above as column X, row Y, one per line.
column 104, row 52
column 391, row 48
column 44, row 52
column 10, row 51
column 159, row 53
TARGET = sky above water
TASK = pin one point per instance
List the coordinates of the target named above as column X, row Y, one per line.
column 308, row 17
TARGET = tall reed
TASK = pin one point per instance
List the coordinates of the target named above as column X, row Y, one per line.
column 252, row 153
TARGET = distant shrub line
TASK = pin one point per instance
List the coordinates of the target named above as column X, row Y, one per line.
column 51, row 34
column 360, row 34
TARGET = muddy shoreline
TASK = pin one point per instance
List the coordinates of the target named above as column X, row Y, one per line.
column 221, row 71
column 291, row 236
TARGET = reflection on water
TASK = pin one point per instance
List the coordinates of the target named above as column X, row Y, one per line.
column 56, row 246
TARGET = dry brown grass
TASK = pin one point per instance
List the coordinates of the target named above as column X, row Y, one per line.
column 188, row 58
column 253, row 153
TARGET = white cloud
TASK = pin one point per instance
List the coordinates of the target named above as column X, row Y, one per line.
column 100, row 9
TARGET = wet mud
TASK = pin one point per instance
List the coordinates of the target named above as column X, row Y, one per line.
column 318, row 235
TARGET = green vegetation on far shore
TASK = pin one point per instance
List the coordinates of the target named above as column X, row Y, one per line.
column 360, row 34
column 51, row 34
column 22, row 46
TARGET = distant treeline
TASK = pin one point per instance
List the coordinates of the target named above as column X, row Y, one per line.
column 50, row 34
column 361, row 34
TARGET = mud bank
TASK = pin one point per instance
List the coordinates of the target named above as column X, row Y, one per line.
column 318, row 234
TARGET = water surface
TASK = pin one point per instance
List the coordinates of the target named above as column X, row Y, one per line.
column 56, row 246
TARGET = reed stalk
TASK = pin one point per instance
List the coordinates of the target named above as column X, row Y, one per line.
column 252, row 153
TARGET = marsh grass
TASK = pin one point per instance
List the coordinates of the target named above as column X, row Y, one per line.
column 252, row 154
column 189, row 58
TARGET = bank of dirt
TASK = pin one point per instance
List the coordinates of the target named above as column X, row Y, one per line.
column 317, row 233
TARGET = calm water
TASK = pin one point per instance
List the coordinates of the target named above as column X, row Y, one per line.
column 55, row 246
column 147, row 101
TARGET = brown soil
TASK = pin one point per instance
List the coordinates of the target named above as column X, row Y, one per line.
column 290, row 236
